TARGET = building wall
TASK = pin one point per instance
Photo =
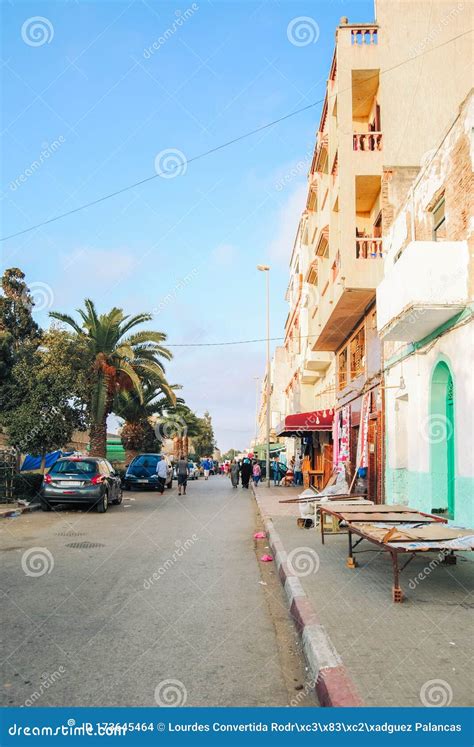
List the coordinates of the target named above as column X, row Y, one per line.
column 415, row 435
column 410, row 428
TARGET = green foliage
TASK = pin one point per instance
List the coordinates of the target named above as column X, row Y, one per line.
column 121, row 360
column 204, row 442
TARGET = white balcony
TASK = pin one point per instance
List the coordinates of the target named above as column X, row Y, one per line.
column 317, row 361
column 426, row 287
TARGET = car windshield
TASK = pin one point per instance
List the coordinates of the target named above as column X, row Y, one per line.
column 144, row 465
column 78, row 466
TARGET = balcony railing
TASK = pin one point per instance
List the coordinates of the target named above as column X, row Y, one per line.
column 367, row 141
column 369, row 247
column 364, row 35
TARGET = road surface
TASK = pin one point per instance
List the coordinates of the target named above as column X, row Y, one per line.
column 159, row 601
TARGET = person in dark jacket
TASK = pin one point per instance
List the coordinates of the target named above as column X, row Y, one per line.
column 245, row 472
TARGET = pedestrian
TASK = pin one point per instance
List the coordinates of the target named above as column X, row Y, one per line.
column 182, row 472
column 297, row 468
column 207, row 468
column 275, row 471
column 162, row 474
column 246, row 471
column 256, row 473
column 234, row 473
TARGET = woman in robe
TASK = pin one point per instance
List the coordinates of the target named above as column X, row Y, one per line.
column 246, row 471
column 234, row 474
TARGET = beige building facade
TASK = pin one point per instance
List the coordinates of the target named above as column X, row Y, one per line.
column 393, row 88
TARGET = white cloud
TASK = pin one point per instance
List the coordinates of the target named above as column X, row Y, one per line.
column 281, row 245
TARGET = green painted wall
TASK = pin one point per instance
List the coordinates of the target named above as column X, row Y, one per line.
column 415, row 489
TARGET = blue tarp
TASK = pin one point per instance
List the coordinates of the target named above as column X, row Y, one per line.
column 31, row 463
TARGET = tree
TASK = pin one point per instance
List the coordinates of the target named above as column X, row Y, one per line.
column 137, row 434
column 231, row 454
column 204, row 442
column 17, row 326
column 121, row 360
column 47, row 394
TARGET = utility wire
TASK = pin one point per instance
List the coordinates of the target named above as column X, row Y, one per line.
column 216, row 148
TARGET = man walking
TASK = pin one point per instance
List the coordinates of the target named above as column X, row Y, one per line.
column 298, row 472
column 162, row 473
column 207, row 467
column 182, row 472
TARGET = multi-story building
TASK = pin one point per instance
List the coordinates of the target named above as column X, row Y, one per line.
column 425, row 317
column 393, row 85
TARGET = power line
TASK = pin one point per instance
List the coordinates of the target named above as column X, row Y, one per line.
column 228, row 143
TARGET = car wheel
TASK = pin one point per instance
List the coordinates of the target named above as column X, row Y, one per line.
column 103, row 503
column 169, row 485
column 45, row 506
column 118, row 500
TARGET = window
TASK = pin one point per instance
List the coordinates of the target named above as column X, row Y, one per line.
column 439, row 220
column 357, row 353
column 342, row 368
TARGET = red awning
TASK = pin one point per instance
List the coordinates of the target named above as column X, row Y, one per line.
column 306, row 422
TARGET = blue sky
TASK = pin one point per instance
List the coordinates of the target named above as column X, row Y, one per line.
column 94, row 93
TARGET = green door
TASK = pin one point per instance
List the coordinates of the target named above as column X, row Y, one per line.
column 442, row 445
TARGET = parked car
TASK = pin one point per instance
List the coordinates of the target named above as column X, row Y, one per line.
column 193, row 471
column 141, row 472
column 87, row 480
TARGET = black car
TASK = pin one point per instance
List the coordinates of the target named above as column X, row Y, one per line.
column 88, row 480
column 141, row 472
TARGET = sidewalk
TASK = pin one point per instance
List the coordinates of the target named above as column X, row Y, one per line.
column 12, row 510
column 384, row 654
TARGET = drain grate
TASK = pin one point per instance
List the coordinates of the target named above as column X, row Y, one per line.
column 84, row 545
column 70, row 534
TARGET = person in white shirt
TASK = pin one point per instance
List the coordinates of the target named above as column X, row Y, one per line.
column 162, row 472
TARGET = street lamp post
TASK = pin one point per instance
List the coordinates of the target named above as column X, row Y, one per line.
column 266, row 269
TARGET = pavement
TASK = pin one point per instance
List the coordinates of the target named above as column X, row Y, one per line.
column 410, row 654
column 13, row 510
column 160, row 601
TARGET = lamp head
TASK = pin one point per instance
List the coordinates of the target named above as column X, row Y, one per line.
column 263, row 268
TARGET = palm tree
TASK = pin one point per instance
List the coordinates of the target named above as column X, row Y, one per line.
column 119, row 360
column 137, row 433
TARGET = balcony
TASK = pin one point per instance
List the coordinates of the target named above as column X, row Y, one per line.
column 369, row 247
column 364, row 35
column 426, row 287
column 367, row 141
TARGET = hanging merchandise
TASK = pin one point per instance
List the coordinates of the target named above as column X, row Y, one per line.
column 335, row 440
column 362, row 443
column 344, row 454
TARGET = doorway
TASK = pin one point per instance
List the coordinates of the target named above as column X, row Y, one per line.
column 442, row 441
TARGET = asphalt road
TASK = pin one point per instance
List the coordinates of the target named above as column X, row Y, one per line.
column 159, row 601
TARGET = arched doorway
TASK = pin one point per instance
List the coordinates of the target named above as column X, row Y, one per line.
column 442, row 441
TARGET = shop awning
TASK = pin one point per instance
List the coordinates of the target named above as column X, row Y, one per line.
column 306, row 422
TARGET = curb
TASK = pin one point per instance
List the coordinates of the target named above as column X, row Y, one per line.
column 11, row 513
column 332, row 682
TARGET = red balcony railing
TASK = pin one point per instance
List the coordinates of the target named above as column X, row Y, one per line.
column 369, row 247
column 367, row 141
